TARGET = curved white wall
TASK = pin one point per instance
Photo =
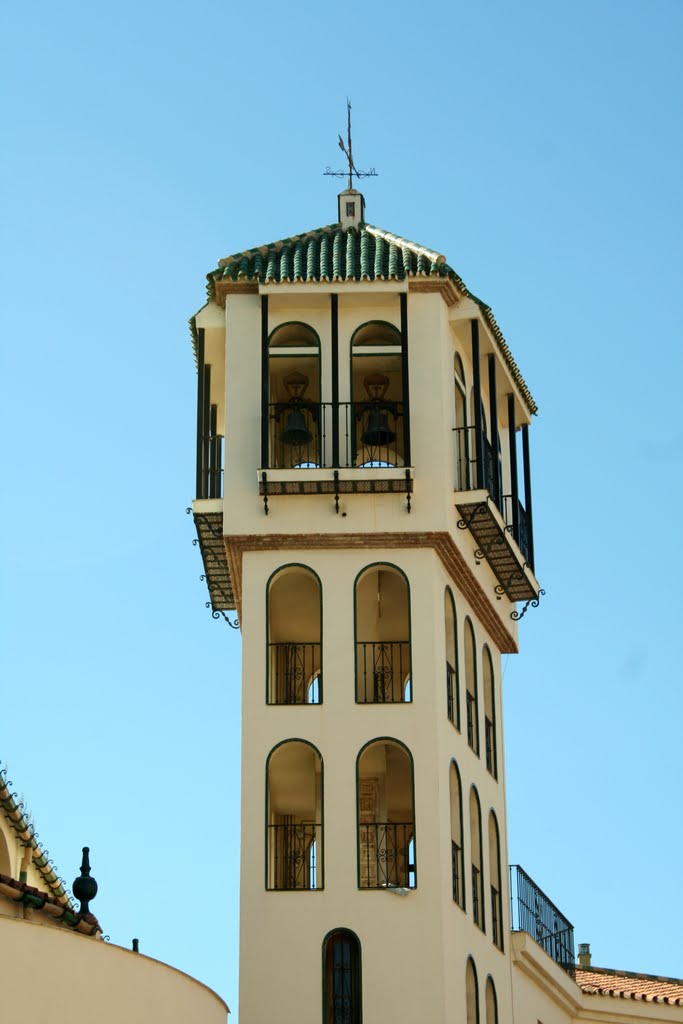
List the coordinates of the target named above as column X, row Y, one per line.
column 55, row 975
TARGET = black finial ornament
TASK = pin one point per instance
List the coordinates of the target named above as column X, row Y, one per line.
column 348, row 153
column 85, row 887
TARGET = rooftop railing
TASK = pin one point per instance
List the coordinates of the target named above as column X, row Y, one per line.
column 531, row 911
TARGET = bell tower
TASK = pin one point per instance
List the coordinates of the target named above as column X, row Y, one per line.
column 363, row 506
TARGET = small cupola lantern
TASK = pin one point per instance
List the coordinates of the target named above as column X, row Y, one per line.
column 85, row 887
column 351, row 208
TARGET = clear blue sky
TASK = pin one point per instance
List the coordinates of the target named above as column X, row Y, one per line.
column 539, row 147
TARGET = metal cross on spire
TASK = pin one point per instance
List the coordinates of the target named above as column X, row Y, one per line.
column 347, row 150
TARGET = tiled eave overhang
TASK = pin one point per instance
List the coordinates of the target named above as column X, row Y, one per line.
column 25, row 833
column 209, row 526
column 223, row 558
column 497, row 547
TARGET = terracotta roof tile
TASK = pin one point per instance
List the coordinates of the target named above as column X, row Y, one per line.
column 627, row 985
column 21, row 892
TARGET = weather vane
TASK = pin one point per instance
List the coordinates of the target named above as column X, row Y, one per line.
column 348, row 153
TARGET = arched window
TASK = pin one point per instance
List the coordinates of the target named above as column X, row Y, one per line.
column 496, row 880
column 471, row 992
column 295, row 428
column 472, row 689
column 477, row 860
column 386, row 816
column 490, row 738
column 5, row 860
column 376, row 395
column 452, row 674
column 491, row 1002
column 457, row 844
column 294, row 665
column 294, row 785
column 382, row 601
column 342, row 977
column 462, row 440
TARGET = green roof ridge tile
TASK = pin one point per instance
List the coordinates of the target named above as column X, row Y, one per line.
column 325, row 258
column 350, row 274
column 337, row 256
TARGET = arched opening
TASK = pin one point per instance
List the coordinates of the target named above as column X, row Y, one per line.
column 496, row 882
column 471, row 992
column 472, row 688
column 5, row 861
column 294, row 786
column 342, row 977
column 295, row 428
column 457, row 845
column 386, row 816
column 294, row 665
column 477, row 861
column 452, row 675
column 462, row 440
column 377, row 423
column 491, row 1002
column 383, row 668
column 490, row 739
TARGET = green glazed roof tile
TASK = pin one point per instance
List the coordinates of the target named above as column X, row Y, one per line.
column 366, row 253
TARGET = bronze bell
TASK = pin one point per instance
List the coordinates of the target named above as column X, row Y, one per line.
column 295, row 431
column 378, row 433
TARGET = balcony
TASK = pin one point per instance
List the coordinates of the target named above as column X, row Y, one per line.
column 294, row 855
column 383, row 672
column 534, row 913
column 387, row 855
column 499, row 523
column 335, row 448
column 294, row 675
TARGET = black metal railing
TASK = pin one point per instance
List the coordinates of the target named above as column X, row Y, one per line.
column 210, row 468
column 457, row 871
column 521, row 528
column 450, row 691
column 496, row 917
column 294, row 675
column 531, row 911
column 467, row 475
column 472, row 723
column 294, row 856
column 386, row 854
column 477, row 897
column 490, row 744
column 301, row 434
column 383, row 671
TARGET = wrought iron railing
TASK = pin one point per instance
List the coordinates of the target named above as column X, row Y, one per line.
column 490, row 744
column 294, row 674
column 210, row 467
column 521, row 530
column 386, row 854
column 294, row 856
column 301, row 434
column 467, row 479
column 383, row 671
column 472, row 723
column 531, row 911
column 457, row 872
column 477, row 897
column 466, row 456
column 450, row 692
